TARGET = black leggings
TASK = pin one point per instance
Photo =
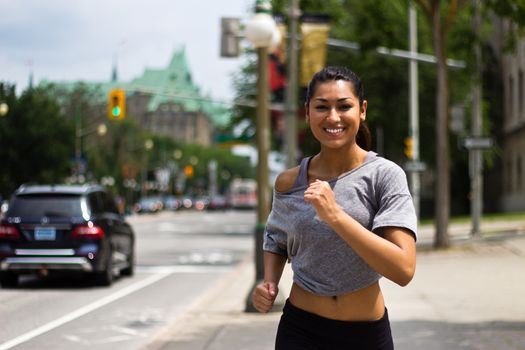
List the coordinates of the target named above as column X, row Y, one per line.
column 302, row 330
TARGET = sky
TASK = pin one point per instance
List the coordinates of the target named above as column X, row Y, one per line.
column 64, row 40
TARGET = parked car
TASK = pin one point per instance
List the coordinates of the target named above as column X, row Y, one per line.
column 172, row 203
column 243, row 194
column 152, row 204
column 65, row 227
column 187, row 202
column 201, row 202
column 218, row 202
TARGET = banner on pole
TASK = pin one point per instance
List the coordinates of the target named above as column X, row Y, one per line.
column 314, row 30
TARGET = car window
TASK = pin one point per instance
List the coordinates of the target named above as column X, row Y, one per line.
column 109, row 203
column 95, row 203
column 45, row 205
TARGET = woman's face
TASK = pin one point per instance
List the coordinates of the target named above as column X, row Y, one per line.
column 334, row 114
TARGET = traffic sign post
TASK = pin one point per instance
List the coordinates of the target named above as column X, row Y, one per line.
column 477, row 142
column 415, row 166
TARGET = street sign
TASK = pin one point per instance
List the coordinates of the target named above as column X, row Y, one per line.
column 415, row 166
column 477, row 142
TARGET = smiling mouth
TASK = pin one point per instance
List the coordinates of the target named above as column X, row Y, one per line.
column 334, row 131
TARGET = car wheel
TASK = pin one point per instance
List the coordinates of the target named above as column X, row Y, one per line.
column 105, row 278
column 8, row 279
column 130, row 269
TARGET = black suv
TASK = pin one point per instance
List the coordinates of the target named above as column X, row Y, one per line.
column 65, row 227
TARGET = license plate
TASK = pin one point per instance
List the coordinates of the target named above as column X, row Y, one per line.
column 45, row 233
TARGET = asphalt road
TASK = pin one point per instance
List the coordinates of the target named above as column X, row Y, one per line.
column 180, row 255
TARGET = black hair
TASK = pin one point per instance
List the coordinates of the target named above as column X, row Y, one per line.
column 332, row 73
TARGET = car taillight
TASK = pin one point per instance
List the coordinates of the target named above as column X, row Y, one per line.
column 9, row 231
column 88, row 230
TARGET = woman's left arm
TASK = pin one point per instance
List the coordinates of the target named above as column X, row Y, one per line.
column 393, row 255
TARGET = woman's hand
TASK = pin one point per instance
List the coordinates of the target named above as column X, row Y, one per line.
column 321, row 196
column 264, row 296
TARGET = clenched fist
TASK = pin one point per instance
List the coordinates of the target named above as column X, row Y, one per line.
column 264, row 296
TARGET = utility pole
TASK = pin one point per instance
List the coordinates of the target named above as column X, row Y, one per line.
column 78, row 146
column 475, row 159
column 413, row 128
column 291, row 87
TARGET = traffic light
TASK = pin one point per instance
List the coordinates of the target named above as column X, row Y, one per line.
column 188, row 171
column 117, row 104
column 409, row 147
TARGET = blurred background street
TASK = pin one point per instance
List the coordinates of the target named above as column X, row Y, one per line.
column 164, row 125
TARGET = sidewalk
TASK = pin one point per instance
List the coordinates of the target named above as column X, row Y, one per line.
column 470, row 296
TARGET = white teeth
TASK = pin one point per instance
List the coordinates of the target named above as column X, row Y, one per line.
column 334, row 131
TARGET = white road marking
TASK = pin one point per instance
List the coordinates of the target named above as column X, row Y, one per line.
column 181, row 269
column 84, row 310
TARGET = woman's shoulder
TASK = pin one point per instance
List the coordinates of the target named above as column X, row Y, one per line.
column 286, row 180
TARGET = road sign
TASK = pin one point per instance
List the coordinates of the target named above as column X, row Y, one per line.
column 478, row 142
column 415, row 166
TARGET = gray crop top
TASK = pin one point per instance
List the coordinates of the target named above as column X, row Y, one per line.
column 375, row 194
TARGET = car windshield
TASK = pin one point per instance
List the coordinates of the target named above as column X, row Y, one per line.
column 45, row 205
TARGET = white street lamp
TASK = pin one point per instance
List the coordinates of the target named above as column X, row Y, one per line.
column 4, row 108
column 261, row 31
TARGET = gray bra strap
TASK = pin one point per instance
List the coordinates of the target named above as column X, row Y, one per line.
column 302, row 177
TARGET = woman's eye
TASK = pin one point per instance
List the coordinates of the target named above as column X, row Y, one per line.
column 321, row 108
column 345, row 107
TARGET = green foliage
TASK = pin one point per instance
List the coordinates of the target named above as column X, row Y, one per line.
column 36, row 141
column 377, row 23
column 37, row 144
column 229, row 166
column 513, row 10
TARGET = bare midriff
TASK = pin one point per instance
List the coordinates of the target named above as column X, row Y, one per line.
column 366, row 304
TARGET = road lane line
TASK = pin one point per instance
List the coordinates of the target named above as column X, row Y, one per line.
column 83, row 310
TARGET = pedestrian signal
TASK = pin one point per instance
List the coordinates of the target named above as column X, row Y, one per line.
column 409, row 147
column 117, row 104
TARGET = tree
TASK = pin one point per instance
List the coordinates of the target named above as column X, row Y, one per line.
column 34, row 140
column 377, row 23
column 441, row 15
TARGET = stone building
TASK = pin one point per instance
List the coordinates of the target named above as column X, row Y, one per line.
column 164, row 101
column 167, row 102
column 513, row 155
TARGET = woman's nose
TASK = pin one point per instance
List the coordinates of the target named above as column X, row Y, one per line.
column 333, row 114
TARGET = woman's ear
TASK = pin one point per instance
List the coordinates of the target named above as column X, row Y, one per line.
column 364, row 106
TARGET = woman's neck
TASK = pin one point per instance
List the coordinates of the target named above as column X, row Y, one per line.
column 329, row 164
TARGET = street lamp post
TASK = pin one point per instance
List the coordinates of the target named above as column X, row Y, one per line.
column 148, row 146
column 291, row 87
column 101, row 130
column 261, row 32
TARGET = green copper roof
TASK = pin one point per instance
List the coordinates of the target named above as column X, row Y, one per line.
column 171, row 84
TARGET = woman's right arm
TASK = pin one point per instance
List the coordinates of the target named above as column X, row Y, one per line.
column 265, row 292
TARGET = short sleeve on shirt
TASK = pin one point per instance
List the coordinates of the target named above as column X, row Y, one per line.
column 395, row 205
column 275, row 238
